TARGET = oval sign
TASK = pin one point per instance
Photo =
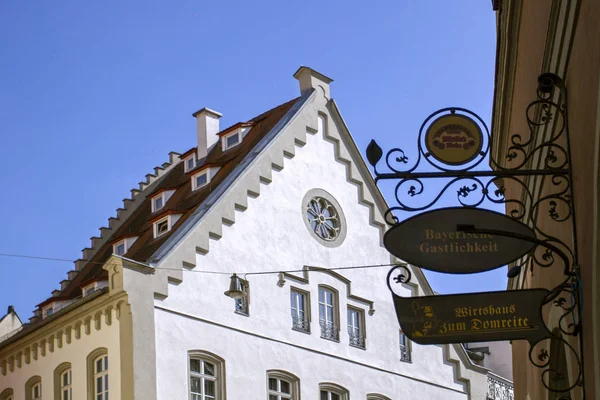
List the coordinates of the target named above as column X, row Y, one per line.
column 432, row 241
column 454, row 139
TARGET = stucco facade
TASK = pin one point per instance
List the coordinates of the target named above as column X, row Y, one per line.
column 169, row 309
column 558, row 37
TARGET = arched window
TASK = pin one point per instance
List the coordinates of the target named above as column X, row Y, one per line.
column 329, row 313
column 332, row 391
column 282, row 385
column 7, row 394
column 375, row 396
column 97, row 374
column 62, row 382
column 206, row 376
column 33, row 388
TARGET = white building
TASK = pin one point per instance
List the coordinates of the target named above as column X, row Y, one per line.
column 144, row 315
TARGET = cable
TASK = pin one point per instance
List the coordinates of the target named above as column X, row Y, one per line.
column 210, row 272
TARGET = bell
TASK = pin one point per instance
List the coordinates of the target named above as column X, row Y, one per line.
column 236, row 288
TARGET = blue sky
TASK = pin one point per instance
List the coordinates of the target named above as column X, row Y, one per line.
column 93, row 95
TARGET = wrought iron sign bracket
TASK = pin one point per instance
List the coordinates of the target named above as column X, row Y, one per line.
column 452, row 144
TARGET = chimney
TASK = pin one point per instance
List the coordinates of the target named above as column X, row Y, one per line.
column 208, row 126
column 11, row 309
column 311, row 79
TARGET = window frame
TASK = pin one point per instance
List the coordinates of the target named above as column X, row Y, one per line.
column 361, row 342
column 334, row 326
column 377, row 396
column 58, row 381
column 186, row 168
column 405, row 355
column 91, row 372
column 220, row 372
column 160, row 197
column 116, row 247
column 30, row 385
column 280, row 375
column 7, row 394
column 160, row 221
column 334, row 388
column 195, row 177
column 307, row 311
column 226, row 145
column 102, row 375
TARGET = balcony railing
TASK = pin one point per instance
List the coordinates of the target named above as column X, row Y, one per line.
column 499, row 388
column 300, row 324
column 329, row 330
column 356, row 340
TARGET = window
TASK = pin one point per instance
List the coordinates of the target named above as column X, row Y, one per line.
column 7, row 394
column 327, row 314
column 33, row 388
column 63, row 382
column 375, row 396
column 65, row 386
column 189, row 163
column 101, row 378
column 157, row 203
column 282, row 385
column 207, row 376
column 241, row 306
column 36, row 391
column 331, row 391
column 232, row 140
column 162, row 227
column 97, row 374
column 356, row 331
column 300, row 313
column 200, row 180
column 404, row 348
column 49, row 312
column 119, row 248
column 323, row 217
column 160, row 200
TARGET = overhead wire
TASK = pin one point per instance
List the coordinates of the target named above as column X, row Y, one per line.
column 43, row 258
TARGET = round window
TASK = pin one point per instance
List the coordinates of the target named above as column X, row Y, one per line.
column 323, row 217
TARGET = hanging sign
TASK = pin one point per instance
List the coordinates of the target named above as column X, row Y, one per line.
column 476, row 317
column 454, row 139
column 431, row 240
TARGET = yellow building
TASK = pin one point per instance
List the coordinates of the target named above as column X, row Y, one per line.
column 560, row 37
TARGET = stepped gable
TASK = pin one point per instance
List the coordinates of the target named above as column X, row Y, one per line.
column 183, row 201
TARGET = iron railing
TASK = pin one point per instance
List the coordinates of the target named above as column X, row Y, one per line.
column 300, row 324
column 329, row 330
column 499, row 388
column 356, row 340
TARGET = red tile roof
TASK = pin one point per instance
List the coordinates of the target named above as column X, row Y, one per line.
column 183, row 201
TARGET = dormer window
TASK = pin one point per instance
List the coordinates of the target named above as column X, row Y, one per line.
column 119, row 248
column 159, row 200
column 123, row 244
column 91, row 286
column 200, row 180
column 234, row 135
column 232, row 140
column 162, row 225
column 157, row 203
column 189, row 163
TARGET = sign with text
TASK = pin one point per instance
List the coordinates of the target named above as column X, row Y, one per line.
column 431, row 240
column 454, row 139
column 476, row 317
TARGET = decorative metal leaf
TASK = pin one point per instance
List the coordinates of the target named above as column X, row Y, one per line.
column 374, row 153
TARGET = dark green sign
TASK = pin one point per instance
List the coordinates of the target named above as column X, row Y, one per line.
column 432, row 241
column 476, row 317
